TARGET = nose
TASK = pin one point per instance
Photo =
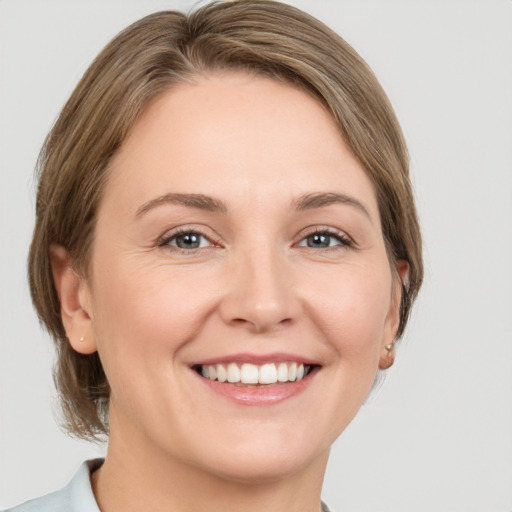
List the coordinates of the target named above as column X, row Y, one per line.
column 260, row 295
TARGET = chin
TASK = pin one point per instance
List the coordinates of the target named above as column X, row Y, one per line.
column 261, row 468
column 265, row 459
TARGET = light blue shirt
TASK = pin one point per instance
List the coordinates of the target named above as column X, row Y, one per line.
column 77, row 496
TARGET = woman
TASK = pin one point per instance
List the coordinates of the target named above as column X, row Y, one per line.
column 226, row 249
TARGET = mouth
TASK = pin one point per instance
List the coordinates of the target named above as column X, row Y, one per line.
column 256, row 379
column 254, row 375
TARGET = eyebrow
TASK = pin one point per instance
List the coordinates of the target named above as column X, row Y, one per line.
column 199, row 201
column 207, row 203
column 320, row 199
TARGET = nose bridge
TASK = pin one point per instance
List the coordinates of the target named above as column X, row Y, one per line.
column 261, row 292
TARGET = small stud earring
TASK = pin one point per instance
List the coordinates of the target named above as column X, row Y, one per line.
column 388, row 362
column 82, row 339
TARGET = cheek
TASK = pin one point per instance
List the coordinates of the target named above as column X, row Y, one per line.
column 350, row 308
column 351, row 304
column 148, row 311
column 143, row 317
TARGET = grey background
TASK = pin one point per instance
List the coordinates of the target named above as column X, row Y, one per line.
column 438, row 434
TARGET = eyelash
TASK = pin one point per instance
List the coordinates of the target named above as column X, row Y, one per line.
column 167, row 239
column 344, row 240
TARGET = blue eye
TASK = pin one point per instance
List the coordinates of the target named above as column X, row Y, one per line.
column 324, row 240
column 188, row 240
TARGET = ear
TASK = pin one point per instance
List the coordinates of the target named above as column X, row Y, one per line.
column 387, row 357
column 75, row 301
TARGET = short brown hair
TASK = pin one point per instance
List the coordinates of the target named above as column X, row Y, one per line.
column 147, row 58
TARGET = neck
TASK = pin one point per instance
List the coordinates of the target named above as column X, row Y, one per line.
column 135, row 476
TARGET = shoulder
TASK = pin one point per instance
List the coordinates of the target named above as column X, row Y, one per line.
column 77, row 496
column 55, row 502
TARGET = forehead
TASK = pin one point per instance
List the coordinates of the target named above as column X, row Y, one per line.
column 236, row 134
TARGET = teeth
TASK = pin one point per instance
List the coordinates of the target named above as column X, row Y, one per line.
column 282, row 372
column 292, row 371
column 268, row 374
column 212, row 372
column 233, row 373
column 222, row 374
column 248, row 373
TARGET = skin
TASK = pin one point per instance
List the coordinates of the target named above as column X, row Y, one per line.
column 254, row 286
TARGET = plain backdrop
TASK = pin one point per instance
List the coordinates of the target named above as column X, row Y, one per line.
column 438, row 434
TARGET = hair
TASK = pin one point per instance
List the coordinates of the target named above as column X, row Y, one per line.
column 150, row 56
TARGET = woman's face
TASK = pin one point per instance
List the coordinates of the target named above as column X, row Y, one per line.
column 239, row 237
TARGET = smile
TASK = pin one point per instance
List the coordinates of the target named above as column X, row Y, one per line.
column 252, row 374
column 256, row 379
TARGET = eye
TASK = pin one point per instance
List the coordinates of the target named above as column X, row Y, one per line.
column 324, row 240
column 187, row 240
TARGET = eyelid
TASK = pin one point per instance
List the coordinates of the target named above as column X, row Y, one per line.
column 344, row 238
column 170, row 234
column 163, row 241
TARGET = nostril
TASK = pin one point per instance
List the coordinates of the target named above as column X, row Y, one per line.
column 261, row 325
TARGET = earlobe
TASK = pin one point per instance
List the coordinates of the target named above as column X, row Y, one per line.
column 388, row 357
column 393, row 319
column 74, row 298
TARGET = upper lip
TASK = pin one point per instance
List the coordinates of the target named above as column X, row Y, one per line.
column 257, row 359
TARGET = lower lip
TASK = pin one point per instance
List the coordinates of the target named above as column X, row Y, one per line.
column 264, row 395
